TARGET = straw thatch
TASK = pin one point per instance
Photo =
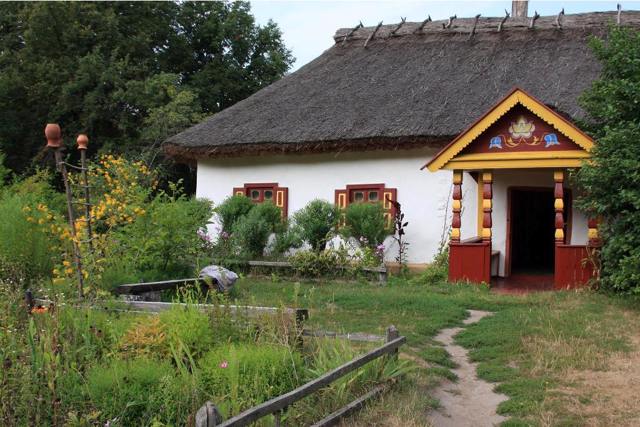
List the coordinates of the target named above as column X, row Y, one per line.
column 413, row 88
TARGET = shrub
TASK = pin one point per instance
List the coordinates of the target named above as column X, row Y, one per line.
column 286, row 239
column 27, row 249
column 241, row 376
column 316, row 221
column 366, row 223
column 251, row 232
column 231, row 210
column 162, row 243
column 437, row 272
column 317, row 264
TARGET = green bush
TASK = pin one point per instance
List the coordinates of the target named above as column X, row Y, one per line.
column 251, row 232
column 163, row 243
column 611, row 181
column 366, row 223
column 241, row 376
column 318, row 264
column 286, row 239
column 231, row 210
column 26, row 248
column 316, row 221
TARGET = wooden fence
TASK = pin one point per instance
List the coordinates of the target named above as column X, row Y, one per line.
column 209, row 416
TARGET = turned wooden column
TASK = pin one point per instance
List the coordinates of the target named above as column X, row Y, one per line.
column 457, row 206
column 594, row 237
column 558, row 194
column 487, row 196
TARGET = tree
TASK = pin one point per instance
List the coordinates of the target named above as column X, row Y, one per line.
column 611, row 182
column 315, row 223
column 129, row 74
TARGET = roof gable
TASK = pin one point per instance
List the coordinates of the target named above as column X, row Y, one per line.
column 517, row 129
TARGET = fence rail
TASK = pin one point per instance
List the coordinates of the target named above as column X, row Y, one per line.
column 278, row 404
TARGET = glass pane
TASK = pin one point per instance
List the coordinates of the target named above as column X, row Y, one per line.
column 255, row 194
column 268, row 194
column 373, row 196
column 358, row 196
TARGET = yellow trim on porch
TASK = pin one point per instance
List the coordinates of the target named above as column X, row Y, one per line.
column 514, row 164
column 446, row 157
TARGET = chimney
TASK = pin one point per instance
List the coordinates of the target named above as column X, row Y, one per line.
column 519, row 8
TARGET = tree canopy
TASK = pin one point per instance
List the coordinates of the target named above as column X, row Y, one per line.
column 612, row 181
column 128, row 74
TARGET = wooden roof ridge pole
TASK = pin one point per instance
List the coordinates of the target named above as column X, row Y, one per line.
column 532, row 22
column 421, row 27
column 449, row 22
column 373, row 34
column 475, row 24
column 501, row 24
column 350, row 33
column 558, row 21
column 400, row 24
column 619, row 16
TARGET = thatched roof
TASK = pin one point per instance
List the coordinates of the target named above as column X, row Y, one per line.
column 409, row 89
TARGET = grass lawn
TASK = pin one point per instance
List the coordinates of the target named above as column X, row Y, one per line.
column 561, row 357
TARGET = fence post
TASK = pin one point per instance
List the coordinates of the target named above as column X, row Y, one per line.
column 392, row 334
column 28, row 300
column 302, row 314
column 208, row 416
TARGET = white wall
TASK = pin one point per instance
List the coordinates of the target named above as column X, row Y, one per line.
column 502, row 180
column 425, row 196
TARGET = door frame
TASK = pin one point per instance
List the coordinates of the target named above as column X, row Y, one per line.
column 568, row 203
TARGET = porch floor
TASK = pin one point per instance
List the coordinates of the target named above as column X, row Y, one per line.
column 522, row 283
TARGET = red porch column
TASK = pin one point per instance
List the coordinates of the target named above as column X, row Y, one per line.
column 558, row 194
column 487, row 196
column 457, row 206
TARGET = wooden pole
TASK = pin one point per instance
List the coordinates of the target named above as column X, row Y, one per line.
column 54, row 141
column 519, row 8
column 82, row 146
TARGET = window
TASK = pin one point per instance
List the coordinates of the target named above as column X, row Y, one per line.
column 260, row 192
column 368, row 193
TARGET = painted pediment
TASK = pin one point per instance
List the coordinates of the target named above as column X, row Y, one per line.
column 518, row 132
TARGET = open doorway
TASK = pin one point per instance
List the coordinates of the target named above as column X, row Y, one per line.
column 531, row 231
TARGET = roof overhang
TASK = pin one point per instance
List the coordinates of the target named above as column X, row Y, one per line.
column 450, row 157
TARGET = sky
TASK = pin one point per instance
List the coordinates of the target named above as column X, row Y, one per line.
column 308, row 25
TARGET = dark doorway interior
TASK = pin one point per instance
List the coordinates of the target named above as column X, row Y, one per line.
column 532, row 231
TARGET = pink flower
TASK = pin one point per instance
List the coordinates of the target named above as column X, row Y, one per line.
column 224, row 364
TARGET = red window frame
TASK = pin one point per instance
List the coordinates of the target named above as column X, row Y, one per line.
column 257, row 191
column 344, row 197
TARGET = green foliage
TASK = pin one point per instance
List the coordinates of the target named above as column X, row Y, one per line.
column 129, row 73
column 250, row 233
column 319, row 264
column 190, row 327
column 366, row 223
column 162, row 243
column 287, row 238
column 139, row 392
column 231, row 210
column 241, row 376
column 437, row 272
column 26, row 252
column 4, row 171
column 316, row 222
column 611, row 183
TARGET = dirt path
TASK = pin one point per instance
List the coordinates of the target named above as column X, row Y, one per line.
column 470, row 402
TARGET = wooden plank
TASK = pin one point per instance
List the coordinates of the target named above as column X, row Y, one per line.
column 281, row 402
column 137, row 288
column 351, row 336
column 157, row 307
column 334, row 418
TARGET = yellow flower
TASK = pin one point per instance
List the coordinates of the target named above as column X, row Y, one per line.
column 66, row 263
column 68, row 270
